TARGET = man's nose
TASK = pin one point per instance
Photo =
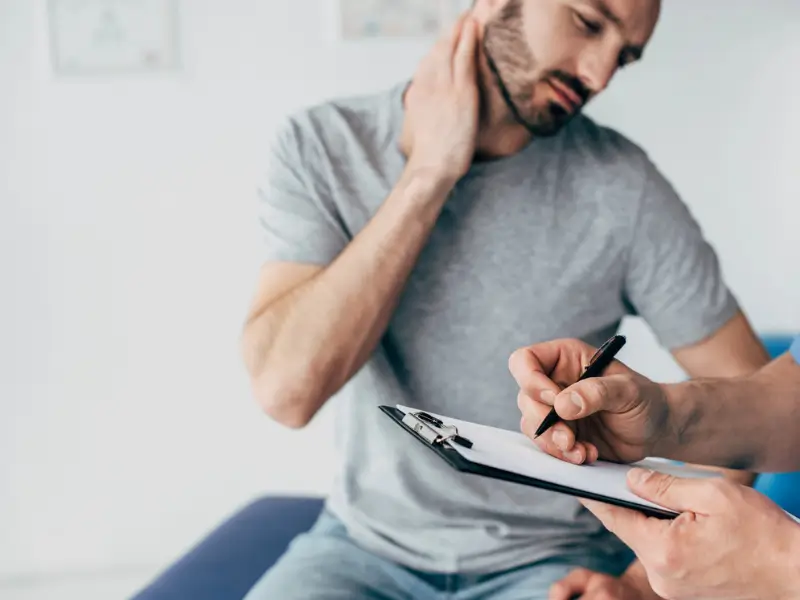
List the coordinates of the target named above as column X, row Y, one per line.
column 596, row 68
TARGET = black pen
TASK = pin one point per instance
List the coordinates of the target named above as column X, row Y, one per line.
column 601, row 359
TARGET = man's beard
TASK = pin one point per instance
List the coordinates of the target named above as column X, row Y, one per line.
column 511, row 62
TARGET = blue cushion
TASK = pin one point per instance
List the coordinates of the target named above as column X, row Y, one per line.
column 782, row 488
column 229, row 561
column 777, row 344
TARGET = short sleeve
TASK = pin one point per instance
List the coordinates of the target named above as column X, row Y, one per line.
column 674, row 280
column 297, row 215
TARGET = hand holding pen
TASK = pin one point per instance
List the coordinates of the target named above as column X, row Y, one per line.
column 585, row 405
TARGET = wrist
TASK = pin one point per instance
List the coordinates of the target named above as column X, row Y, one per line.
column 440, row 175
column 678, row 409
column 437, row 179
column 427, row 185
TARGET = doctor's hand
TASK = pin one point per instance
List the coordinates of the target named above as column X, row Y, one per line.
column 728, row 542
column 619, row 417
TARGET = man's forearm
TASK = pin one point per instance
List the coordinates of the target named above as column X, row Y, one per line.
column 313, row 339
column 742, row 423
column 788, row 563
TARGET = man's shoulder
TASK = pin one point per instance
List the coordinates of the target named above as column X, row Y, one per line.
column 365, row 120
column 601, row 157
column 605, row 144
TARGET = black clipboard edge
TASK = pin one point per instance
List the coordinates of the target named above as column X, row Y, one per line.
column 458, row 462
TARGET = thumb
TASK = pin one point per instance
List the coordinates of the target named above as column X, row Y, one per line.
column 637, row 531
column 678, row 494
column 615, row 394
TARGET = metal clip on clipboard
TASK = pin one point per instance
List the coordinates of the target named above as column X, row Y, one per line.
column 428, row 428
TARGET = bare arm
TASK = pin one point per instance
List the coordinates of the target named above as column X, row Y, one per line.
column 748, row 422
column 732, row 351
column 303, row 343
column 310, row 328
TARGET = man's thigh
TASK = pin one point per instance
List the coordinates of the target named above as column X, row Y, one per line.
column 326, row 563
column 533, row 582
column 529, row 583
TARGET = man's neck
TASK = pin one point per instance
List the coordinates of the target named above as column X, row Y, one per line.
column 499, row 135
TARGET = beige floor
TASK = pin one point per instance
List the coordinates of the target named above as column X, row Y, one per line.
column 101, row 586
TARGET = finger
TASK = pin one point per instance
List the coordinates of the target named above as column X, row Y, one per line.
column 464, row 67
column 531, row 370
column 438, row 60
column 675, row 493
column 452, row 39
column 561, row 435
column 572, row 585
column 601, row 586
column 565, row 358
column 592, row 453
column 616, row 394
column 639, row 532
column 538, row 368
column 578, row 454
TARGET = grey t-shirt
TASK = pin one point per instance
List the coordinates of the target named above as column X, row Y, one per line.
column 562, row 239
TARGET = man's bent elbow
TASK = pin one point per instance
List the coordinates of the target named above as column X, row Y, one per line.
column 286, row 399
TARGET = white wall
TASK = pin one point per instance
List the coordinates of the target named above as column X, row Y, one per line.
column 128, row 251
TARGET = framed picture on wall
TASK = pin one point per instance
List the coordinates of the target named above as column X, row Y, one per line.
column 395, row 19
column 112, row 36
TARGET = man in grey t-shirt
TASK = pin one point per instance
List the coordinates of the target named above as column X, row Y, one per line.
column 413, row 240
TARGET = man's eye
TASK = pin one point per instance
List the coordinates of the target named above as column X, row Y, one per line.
column 587, row 25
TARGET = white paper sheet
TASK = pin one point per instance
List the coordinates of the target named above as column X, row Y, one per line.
column 513, row 451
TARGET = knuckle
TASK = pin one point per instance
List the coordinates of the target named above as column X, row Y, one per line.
column 596, row 390
column 593, row 391
column 546, row 444
column 630, row 390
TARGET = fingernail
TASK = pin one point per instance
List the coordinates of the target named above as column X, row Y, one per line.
column 574, row 456
column 548, row 397
column 639, row 476
column 560, row 439
column 577, row 401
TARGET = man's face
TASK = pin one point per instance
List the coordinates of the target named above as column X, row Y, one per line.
column 549, row 57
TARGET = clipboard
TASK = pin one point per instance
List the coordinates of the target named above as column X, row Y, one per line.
column 601, row 481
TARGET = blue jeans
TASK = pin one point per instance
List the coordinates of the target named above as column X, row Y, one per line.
column 326, row 563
